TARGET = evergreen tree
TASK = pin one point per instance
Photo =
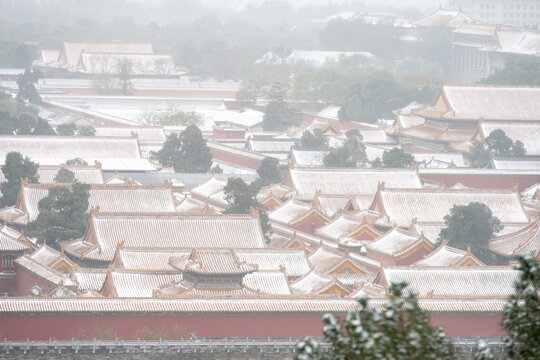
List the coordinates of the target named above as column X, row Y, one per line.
column 242, row 198
column 125, row 70
column 479, row 156
column 471, row 226
column 27, row 87
column 499, row 143
column 66, row 129
column 518, row 149
column 62, row 214
column 399, row 330
column 356, row 147
column 395, row 158
column 16, row 167
column 194, row 155
column 86, row 131
column 525, row 72
column 340, row 157
column 313, row 141
column 522, row 312
column 167, row 153
column 64, row 176
column 270, row 171
column 277, row 116
column 76, row 161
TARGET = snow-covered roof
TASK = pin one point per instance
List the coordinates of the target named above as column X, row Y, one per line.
column 532, row 164
column 165, row 230
column 145, row 134
column 109, row 198
column 522, row 42
column 112, row 153
column 72, row 50
column 401, row 206
column 12, row 241
column 339, row 227
column 89, row 278
column 453, row 282
column 308, row 158
column 396, row 242
column 271, row 145
column 445, row 256
column 526, row 132
column 520, row 242
column 140, row 64
column 307, row 181
column 444, row 17
column 439, row 160
column 267, row 282
column 139, row 284
column 290, row 212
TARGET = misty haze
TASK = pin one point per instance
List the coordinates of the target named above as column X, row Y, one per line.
column 270, row 179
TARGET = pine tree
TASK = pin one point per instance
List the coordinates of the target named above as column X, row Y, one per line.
column 16, row 167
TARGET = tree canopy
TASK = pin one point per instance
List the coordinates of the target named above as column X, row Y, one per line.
column 62, row 214
column 313, row 141
column 522, row 312
column 242, row 198
column 64, row 176
column 525, row 72
column 351, row 154
column 471, row 226
column 399, row 329
column 277, row 115
column 76, row 161
column 502, row 145
column 16, row 167
column 186, row 152
column 478, row 156
column 270, row 171
column 395, row 158
column 27, row 87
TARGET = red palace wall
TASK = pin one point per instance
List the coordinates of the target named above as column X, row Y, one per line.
column 7, row 283
column 236, row 160
column 20, row 327
column 485, row 181
column 26, row 280
column 228, row 134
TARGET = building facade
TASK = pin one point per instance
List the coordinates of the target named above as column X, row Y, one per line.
column 507, row 12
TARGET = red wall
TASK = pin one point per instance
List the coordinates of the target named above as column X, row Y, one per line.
column 310, row 225
column 485, row 181
column 26, row 280
column 414, row 257
column 19, row 327
column 7, row 283
column 228, row 134
column 234, row 159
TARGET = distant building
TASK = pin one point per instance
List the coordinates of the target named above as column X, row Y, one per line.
column 106, row 57
column 507, row 12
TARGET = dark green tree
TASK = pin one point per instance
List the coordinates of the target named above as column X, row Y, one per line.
column 27, row 87
column 64, row 176
column 194, row 155
column 499, row 143
column 66, row 129
column 167, row 153
column 398, row 329
column 518, row 149
column 395, row 158
column 86, row 131
column 522, row 312
column 355, row 145
column 270, row 171
column 340, row 157
column 277, row 116
column 314, row 141
column 15, row 168
column 375, row 97
column 62, row 214
column 479, row 156
column 76, row 161
column 516, row 73
column 124, row 72
column 242, row 198
column 471, row 226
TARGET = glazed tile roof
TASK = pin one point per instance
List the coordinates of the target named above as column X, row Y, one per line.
column 11, row 240
column 341, row 226
column 293, row 261
column 453, row 282
column 445, row 256
column 432, row 205
column 212, row 191
column 43, row 271
column 145, row 134
column 218, row 261
column 268, row 282
column 228, row 305
column 166, row 230
column 109, row 198
column 517, row 243
column 308, row 181
column 444, row 17
column 291, row 211
column 89, row 278
column 139, row 284
column 395, row 242
column 526, row 132
column 83, row 173
column 72, row 50
column 112, row 153
column 157, row 259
